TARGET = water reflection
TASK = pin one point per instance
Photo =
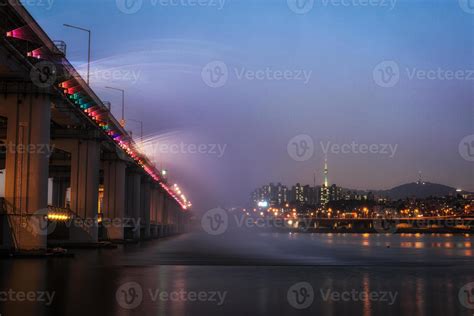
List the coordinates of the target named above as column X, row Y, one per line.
column 424, row 273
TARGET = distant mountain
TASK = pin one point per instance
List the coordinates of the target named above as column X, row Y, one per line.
column 418, row 190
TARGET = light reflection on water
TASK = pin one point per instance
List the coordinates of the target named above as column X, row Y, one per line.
column 425, row 271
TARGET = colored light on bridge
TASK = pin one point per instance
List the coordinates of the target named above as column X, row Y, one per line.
column 17, row 33
column 34, row 54
column 72, row 90
column 23, row 33
column 87, row 105
column 82, row 101
column 58, row 217
column 68, row 84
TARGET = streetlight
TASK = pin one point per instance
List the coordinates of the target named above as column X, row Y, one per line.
column 141, row 128
column 122, row 121
column 89, row 50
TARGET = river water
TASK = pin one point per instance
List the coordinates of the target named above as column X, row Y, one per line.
column 249, row 274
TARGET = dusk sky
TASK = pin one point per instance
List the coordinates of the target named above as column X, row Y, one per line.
column 245, row 125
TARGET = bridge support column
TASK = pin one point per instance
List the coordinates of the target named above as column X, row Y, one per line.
column 152, row 211
column 114, row 198
column 133, row 202
column 85, row 167
column 60, row 185
column 26, row 176
column 165, row 216
column 159, row 211
column 145, row 208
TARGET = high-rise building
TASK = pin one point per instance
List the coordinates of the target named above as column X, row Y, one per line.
column 312, row 195
column 324, row 197
column 297, row 194
column 281, row 194
column 335, row 193
column 273, row 194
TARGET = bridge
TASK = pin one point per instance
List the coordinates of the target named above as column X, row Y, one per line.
column 55, row 129
column 457, row 224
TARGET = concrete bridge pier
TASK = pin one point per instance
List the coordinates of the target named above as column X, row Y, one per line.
column 85, row 168
column 84, row 181
column 26, row 176
column 165, row 217
column 160, row 198
column 145, row 208
column 154, row 206
column 60, row 186
column 133, row 203
column 114, row 198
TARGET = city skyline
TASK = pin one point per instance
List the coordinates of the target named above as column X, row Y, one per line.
column 325, row 181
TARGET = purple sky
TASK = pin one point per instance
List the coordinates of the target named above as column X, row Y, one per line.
column 288, row 74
